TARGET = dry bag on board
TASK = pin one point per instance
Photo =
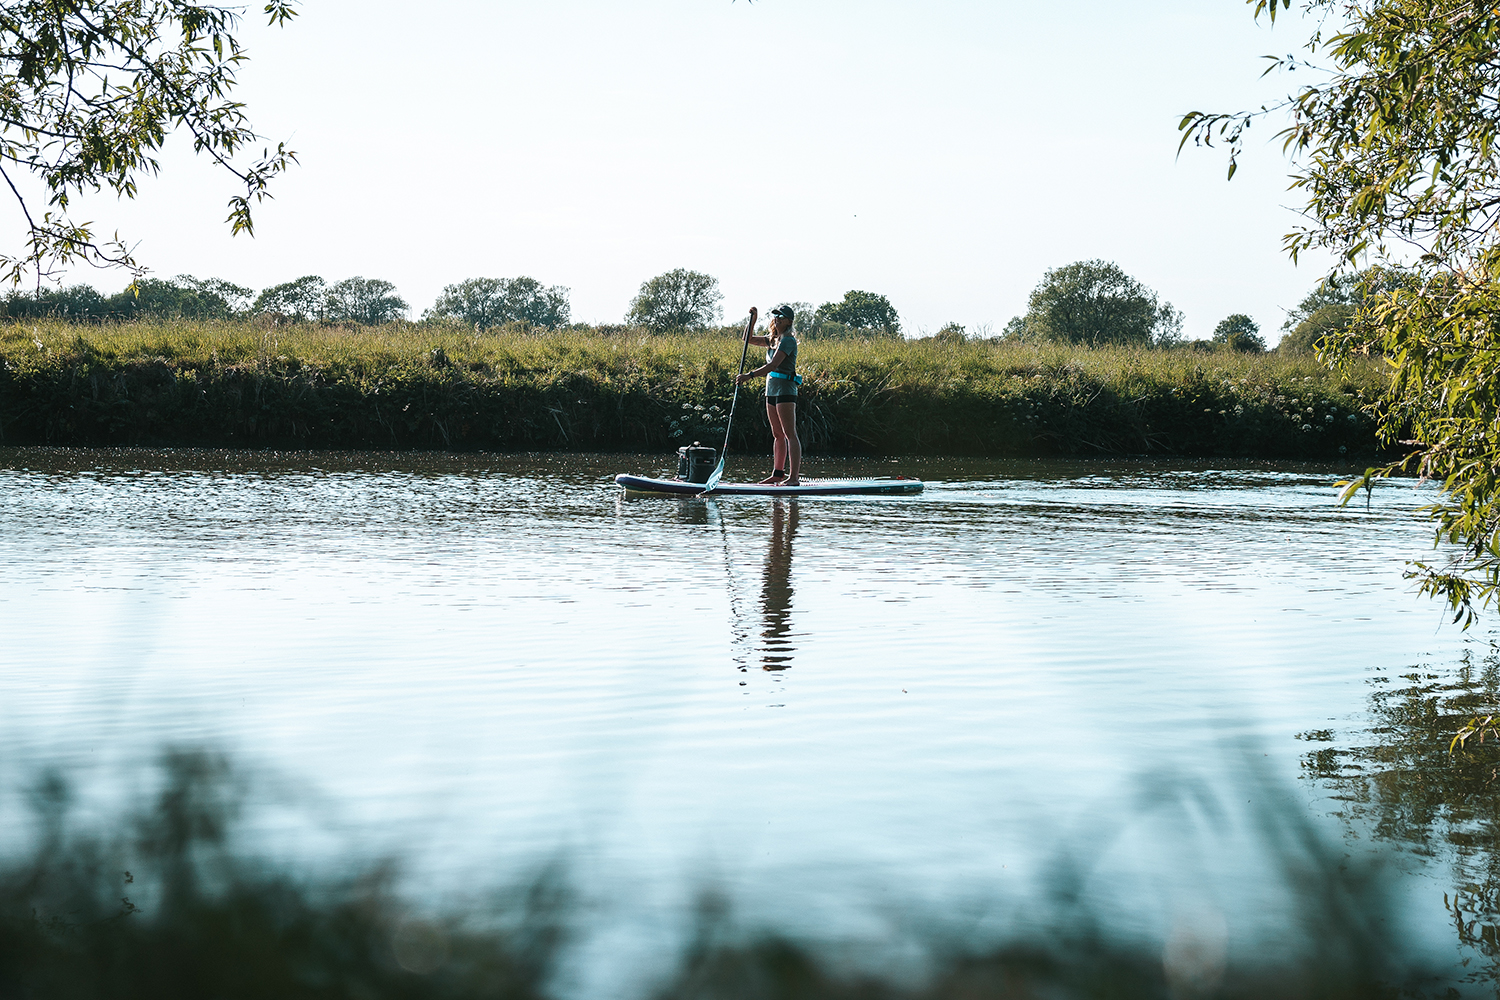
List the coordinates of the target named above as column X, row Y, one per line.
column 695, row 462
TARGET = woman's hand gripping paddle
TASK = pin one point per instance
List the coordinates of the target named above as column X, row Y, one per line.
column 718, row 473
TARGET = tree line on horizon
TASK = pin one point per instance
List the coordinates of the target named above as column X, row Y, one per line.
column 679, row 300
column 1089, row 303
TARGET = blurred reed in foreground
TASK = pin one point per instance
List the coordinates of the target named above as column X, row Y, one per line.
column 176, row 905
column 239, row 384
column 169, row 909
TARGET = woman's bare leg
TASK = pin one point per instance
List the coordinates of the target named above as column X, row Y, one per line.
column 792, row 445
column 778, row 446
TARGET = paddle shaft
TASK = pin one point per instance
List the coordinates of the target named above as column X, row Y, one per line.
column 713, row 479
column 735, row 398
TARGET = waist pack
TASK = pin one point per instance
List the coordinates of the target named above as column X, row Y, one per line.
column 796, row 379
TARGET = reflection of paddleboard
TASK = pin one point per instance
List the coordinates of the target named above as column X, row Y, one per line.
column 642, row 486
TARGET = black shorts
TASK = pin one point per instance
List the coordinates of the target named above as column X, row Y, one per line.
column 777, row 400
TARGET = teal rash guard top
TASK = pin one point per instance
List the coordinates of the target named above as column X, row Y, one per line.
column 787, row 345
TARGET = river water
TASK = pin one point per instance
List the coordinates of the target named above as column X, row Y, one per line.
column 837, row 712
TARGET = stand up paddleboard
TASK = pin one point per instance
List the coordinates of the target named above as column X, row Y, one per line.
column 646, row 487
column 695, row 467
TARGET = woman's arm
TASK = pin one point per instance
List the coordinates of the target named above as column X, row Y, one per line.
column 764, row 369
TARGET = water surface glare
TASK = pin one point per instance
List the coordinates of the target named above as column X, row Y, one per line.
column 820, row 705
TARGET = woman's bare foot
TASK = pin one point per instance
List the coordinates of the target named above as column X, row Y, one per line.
column 773, row 479
column 792, row 482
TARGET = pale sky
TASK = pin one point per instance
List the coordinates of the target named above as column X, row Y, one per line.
column 943, row 154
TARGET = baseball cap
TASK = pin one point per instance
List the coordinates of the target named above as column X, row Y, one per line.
column 784, row 312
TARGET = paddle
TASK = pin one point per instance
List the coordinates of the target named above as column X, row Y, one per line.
column 717, row 474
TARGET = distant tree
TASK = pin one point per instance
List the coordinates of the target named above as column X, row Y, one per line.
column 1169, row 327
column 1326, row 321
column 478, row 301
column 146, row 297
column 369, row 301
column 677, row 300
column 301, row 300
column 1094, row 302
column 216, row 296
column 1240, row 333
column 487, row 302
column 76, row 302
column 864, row 312
column 184, row 297
column 1329, row 309
column 1014, row 330
column 951, row 333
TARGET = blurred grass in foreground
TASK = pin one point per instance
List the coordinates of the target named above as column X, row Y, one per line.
column 239, row 384
column 175, row 906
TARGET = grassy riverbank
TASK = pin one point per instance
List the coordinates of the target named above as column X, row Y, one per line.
column 421, row 386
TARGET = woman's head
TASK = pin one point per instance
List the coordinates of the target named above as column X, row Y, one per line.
column 781, row 320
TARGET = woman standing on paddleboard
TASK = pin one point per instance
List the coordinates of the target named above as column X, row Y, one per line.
column 782, row 380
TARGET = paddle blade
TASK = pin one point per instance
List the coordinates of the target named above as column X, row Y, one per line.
column 714, row 477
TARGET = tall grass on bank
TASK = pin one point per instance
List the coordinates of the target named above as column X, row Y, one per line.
column 239, row 384
column 177, row 904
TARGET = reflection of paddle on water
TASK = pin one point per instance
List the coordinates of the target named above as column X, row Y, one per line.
column 776, row 588
column 739, row 630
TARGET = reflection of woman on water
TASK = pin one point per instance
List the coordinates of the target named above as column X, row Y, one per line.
column 782, row 380
column 776, row 588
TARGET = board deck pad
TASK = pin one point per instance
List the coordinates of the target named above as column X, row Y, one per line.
column 645, row 486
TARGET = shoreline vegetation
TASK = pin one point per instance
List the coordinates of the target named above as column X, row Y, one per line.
column 437, row 385
column 173, row 896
